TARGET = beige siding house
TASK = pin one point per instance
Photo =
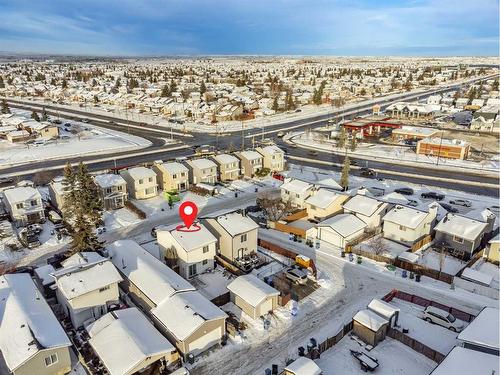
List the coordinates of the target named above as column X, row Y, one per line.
column 236, row 234
column 172, row 176
column 24, row 204
column 408, row 225
column 31, row 339
column 274, row 157
column 296, row 191
column 324, row 204
column 86, row 285
column 190, row 321
column 253, row 296
column 202, row 171
column 368, row 209
column 251, row 162
column 112, row 190
column 56, row 193
column 195, row 251
column 141, row 182
column 228, row 167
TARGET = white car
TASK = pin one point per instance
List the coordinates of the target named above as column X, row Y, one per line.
column 296, row 275
column 440, row 317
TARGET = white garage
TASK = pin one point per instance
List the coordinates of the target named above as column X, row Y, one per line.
column 340, row 229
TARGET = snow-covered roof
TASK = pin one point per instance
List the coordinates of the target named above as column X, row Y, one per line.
column 44, row 274
column 235, row 223
column 185, row 312
column 344, row 224
column 138, row 173
column 303, row 366
column 329, row 182
column 250, row 155
column 226, row 158
column 322, row 198
column 363, row 205
column 467, row 361
column 202, row 163
column 477, row 276
column 76, row 279
column 124, row 338
column 84, row 257
column 21, row 194
column 193, row 240
column 251, row 289
column 415, row 130
column 272, row 150
column 406, row 216
column 484, row 329
column 109, row 180
column 369, row 319
column 409, row 256
column 27, row 323
column 152, row 277
column 461, row 226
column 382, row 308
column 174, row 167
column 296, row 186
column 395, row 198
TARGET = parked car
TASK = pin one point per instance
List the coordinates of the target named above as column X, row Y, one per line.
column 367, row 172
column 313, row 153
column 6, row 180
column 34, row 228
column 85, row 120
column 412, row 203
column 449, row 208
column 405, row 191
column 297, row 275
column 54, row 217
column 443, row 318
column 461, row 202
column 495, row 208
column 432, row 195
column 281, row 134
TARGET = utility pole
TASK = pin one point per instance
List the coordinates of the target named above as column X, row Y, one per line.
column 439, row 150
column 242, row 137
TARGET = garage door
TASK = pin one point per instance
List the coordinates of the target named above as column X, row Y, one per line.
column 330, row 237
column 266, row 306
column 206, row 341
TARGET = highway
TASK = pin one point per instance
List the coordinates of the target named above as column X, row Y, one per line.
column 159, row 151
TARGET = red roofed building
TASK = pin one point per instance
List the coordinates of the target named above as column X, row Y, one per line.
column 371, row 126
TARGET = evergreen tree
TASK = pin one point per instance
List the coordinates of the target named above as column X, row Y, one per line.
column 5, row 107
column 275, row 104
column 342, row 138
column 290, row 105
column 495, row 85
column 69, row 192
column 2, row 84
column 64, row 84
column 35, row 116
column 344, row 178
column 203, row 87
column 45, row 117
column 354, row 142
column 165, row 92
column 89, row 195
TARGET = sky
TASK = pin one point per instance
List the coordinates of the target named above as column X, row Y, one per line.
column 251, row 27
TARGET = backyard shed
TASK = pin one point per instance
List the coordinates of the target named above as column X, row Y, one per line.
column 385, row 310
column 369, row 326
column 302, row 366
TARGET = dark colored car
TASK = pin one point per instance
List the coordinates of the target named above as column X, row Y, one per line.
column 433, row 195
column 367, row 172
column 449, row 207
column 405, row 191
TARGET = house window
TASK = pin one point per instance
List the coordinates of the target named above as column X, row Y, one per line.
column 150, row 179
column 174, row 176
column 205, row 249
column 402, row 228
column 205, row 261
column 19, row 206
column 297, row 196
column 458, row 239
column 150, row 190
column 50, row 360
column 183, row 174
column 119, row 188
column 103, row 289
column 243, row 237
column 141, row 181
column 34, row 203
column 108, row 190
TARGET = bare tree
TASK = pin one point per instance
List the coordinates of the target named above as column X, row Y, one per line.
column 378, row 246
column 274, row 207
column 43, row 177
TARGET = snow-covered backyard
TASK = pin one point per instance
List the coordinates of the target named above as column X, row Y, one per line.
column 432, row 259
column 382, row 246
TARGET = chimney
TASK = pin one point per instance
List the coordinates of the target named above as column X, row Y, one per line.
column 433, row 210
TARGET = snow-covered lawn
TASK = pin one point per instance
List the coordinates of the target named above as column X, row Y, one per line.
column 120, row 218
column 490, row 269
column 431, row 259
column 394, row 358
column 213, row 284
column 432, row 335
column 390, row 248
column 152, row 206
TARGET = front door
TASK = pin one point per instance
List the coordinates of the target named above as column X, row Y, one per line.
column 192, row 270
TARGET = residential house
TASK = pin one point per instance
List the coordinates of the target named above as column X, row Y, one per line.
column 228, row 167
column 18, row 136
column 194, row 250
column 253, row 296
column 368, row 209
column 251, row 162
column 464, row 235
column 112, row 190
column 202, row 171
column 274, row 158
column 190, row 321
column 341, row 230
column 466, row 361
column 141, row 182
column 127, row 343
column 408, row 225
column 296, row 191
column 31, row 339
column 56, row 193
column 87, row 284
column 482, row 334
column 324, row 203
column 492, row 251
column 236, row 235
column 172, row 176
column 24, row 205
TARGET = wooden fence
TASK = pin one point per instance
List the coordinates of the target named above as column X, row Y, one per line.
column 289, row 229
column 228, row 265
column 424, row 302
column 421, row 243
column 222, row 299
column 415, row 345
column 331, row 341
column 284, row 252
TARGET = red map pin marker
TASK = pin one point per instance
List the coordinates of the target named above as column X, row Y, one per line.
column 188, row 212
